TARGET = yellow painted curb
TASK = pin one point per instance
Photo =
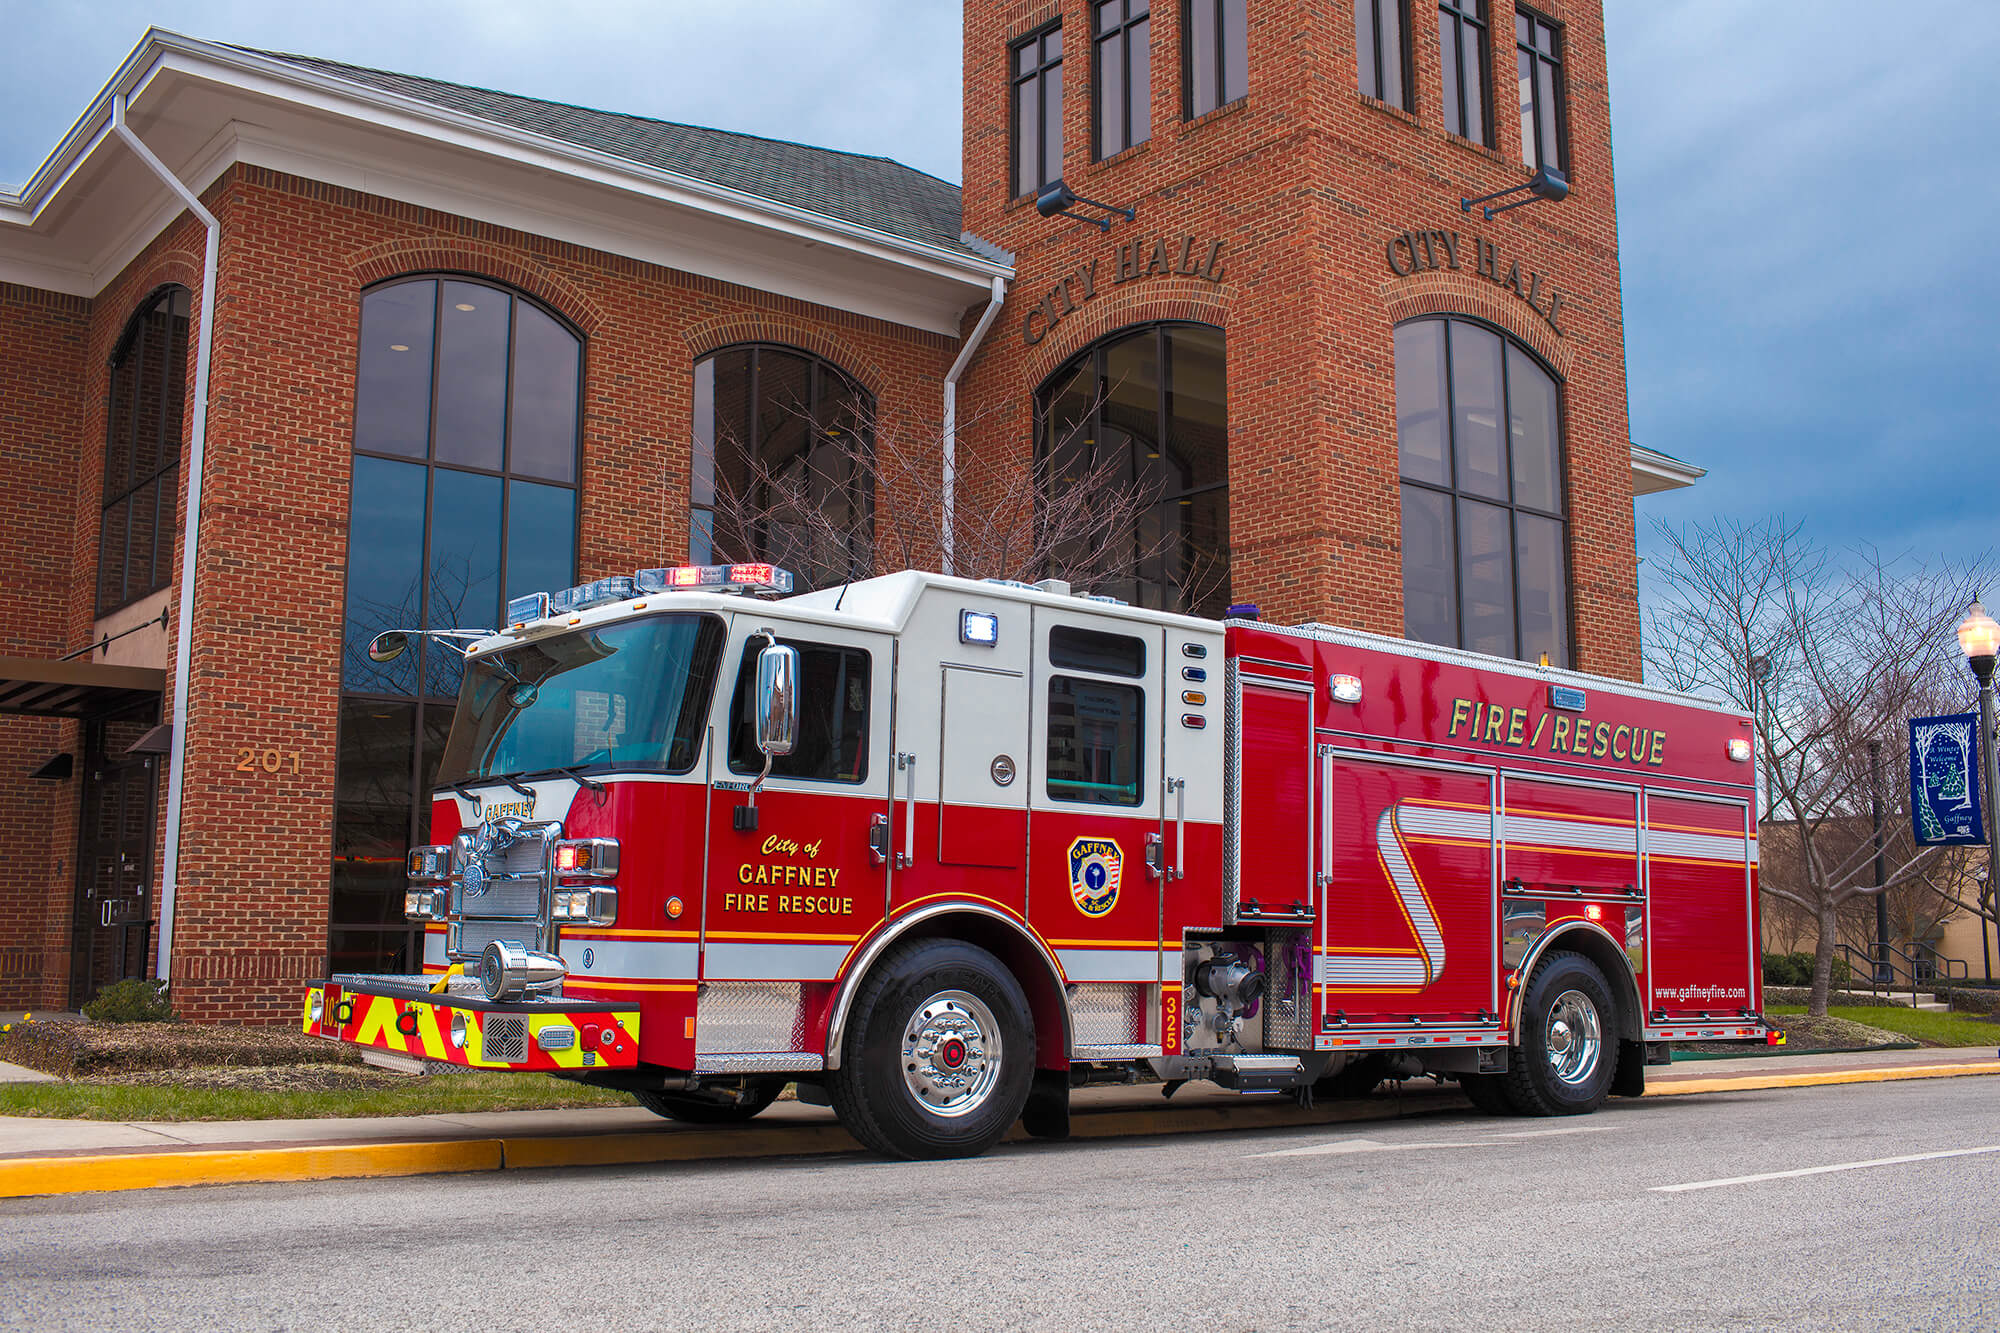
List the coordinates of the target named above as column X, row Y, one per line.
column 24, row 1177
column 689, row 1145
column 1745, row 1082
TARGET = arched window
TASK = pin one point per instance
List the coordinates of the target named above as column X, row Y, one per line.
column 142, row 452
column 467, row 406
column 1142, row 418
column 1484, row 559
column 783, row 465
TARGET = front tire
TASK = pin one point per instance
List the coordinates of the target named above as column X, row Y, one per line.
column 1568, row 1042
column 701, row 1111
column 939, row 1054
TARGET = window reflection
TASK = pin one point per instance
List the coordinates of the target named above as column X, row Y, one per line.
column 466, row 428
column 1484, row 565
column 142, row 452
column 783, row 465
column 1143, row 415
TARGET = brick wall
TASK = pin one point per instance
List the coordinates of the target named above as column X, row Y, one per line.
column 296, row 256
column 1307, row 183
column 40, row 423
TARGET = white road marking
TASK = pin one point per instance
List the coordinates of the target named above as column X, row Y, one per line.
column 1822, row 1170
column 1345, row 1146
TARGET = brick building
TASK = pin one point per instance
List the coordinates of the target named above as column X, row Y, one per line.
column 464, row 344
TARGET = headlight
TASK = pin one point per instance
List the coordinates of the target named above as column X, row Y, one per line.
column 418, row 904
column 598, row 906
column 429, row 865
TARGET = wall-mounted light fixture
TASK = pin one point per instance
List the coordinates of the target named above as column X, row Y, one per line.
column 1546, row 183
column 1058, row 198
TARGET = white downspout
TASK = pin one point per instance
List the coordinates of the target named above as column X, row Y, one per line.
column 951, row 412
column 191, row 535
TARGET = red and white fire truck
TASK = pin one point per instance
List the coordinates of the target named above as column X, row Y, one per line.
column 939, row 850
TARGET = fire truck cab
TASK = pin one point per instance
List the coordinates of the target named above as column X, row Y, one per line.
column 939, row 850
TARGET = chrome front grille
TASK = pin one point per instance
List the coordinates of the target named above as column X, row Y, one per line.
column 503, row 874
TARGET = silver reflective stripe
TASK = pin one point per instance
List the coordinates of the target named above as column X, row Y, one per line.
column 1111, row 964
column 638, row 960
column 774, row 962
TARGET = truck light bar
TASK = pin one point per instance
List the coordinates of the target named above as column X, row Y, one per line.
column 760, row 578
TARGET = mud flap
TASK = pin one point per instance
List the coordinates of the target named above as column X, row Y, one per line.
column 1630, row 1079
column 1046, row 1116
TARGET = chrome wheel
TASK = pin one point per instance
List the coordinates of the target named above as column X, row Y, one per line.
column 1576, row 1038
column 951, row 1053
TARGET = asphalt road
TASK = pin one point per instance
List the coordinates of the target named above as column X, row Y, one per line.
column 1449, row 1222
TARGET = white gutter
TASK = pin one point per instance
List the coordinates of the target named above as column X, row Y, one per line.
column 191, row 535
column 951, row 411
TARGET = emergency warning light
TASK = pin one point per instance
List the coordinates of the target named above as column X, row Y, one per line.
column 978, row 627
column 758, row 578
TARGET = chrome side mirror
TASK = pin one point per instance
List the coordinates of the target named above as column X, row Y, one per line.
column 777, row 699
column 388, row 645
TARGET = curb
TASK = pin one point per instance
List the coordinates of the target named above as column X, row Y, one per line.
column 26, row 1177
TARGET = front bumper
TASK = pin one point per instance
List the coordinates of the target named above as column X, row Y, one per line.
column 403, row 1015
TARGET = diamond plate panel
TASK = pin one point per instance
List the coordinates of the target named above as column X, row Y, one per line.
column 735, row 1017
column 1288, row 990
column 1103, row 1014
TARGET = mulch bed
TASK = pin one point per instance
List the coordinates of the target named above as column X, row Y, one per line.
column 1804, row 1033
column 268, row 1078
column 107, row 1050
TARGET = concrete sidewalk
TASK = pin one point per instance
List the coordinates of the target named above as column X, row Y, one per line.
column 39, row 1156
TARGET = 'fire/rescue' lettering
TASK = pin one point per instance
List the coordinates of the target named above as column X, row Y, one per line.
column 1491, row 724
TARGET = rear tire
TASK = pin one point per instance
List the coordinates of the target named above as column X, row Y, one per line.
column 701, row 1111
column 939, row 1053
column 1568, row 1048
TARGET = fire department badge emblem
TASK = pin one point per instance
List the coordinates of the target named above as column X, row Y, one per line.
column 1095, row 868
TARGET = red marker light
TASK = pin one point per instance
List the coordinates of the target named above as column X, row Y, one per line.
column 759, row 574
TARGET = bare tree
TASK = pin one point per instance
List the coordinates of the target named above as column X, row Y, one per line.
column 1826, row 651
column 865, row 496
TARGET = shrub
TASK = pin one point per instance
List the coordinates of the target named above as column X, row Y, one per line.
column 131, row 1001
column 1796, row 969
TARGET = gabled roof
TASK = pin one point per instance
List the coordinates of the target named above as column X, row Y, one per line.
column 872, row 192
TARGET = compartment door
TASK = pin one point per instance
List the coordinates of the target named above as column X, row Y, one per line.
column 1270, row 876
column 1701, row 951
column 1412, row 898
column 983, row 818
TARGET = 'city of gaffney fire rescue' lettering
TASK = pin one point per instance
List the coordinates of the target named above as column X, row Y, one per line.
column 1556, row 733
column 783, row 874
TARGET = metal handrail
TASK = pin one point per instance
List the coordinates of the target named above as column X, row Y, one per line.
column 1874, row 969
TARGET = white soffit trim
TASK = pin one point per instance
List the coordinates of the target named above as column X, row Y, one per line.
column 1653, row 471
column 351, row 135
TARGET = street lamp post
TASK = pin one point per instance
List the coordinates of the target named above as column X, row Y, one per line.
column 1979, row 640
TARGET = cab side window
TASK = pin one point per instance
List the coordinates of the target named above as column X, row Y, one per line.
column 1096, row 756
column 832, row 742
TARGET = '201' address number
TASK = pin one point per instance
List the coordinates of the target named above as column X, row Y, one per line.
column 249, row 759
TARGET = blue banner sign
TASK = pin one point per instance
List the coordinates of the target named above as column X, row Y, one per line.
column 1945, row 797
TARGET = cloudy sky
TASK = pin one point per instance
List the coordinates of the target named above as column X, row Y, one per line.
column 1807, row 195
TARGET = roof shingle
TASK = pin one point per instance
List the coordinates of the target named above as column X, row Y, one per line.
column 873, row 192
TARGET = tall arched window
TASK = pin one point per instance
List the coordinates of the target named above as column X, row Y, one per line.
column 1484, row 559
column 783, row 464
column 466, row 415
column 142, row 452
column 1143, row 419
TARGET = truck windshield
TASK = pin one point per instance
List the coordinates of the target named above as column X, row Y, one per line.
column 628, row 696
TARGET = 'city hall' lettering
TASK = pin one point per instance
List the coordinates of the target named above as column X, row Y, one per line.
column 1134, row 260
column 1418, row 251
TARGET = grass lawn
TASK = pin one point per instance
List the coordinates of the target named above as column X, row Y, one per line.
column 1930, row 1028
column 434, row 1095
